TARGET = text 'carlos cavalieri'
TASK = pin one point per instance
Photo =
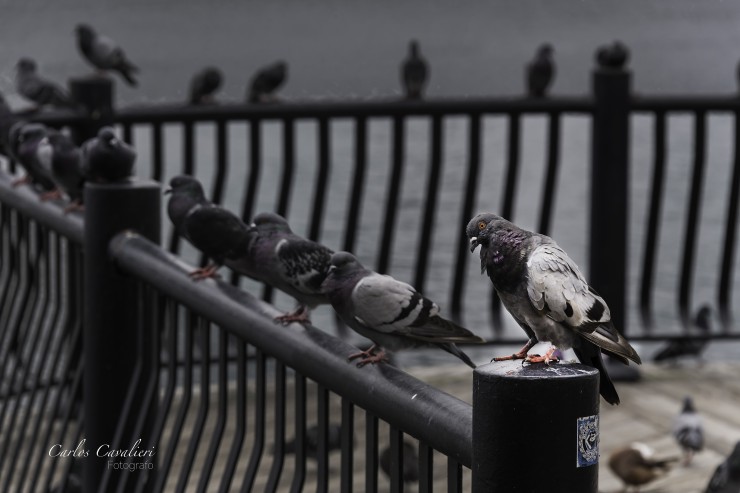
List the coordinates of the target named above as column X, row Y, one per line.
column 105, row 450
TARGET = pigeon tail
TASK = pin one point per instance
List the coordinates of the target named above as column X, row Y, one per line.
column 126, row 72
column 456, row 351
column 590, row 355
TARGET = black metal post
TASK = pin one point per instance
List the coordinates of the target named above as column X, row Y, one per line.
column 609, row 180
column 533, row 425
column 110, row 313
column 95, row 97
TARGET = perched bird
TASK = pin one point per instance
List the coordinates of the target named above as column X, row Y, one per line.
column 213, row 230
column 635, row 467
column 540, row 72
column 311, row 441
column 614, row 55
column 410, row 459
column 391, row 313
column 688, row 431
column 285, row 261
column 106, row 158
column 266, row 81
column 58, row 153
column 41, row 91
column 689, row 345
column 726, row 478
column 23, row 142
column 103, row 53
column 204, row 85
column 414, row 72
column 545, row 292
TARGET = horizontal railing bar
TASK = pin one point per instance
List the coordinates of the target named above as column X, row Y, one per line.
column 385, row 391
column 684, row 103
column 49, row 214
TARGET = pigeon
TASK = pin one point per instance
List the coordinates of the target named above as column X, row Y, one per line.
column 104, row 54
column 41, row 91
column 4, row 107
column 410, row 459
column 23, row 141
column 613, row 56
column 204, row 84
column 266, row 81
column 545, row 292
column 106, row 158
column 635, row 467
column 213, row 230
column 58, row 153
column 688, row 431
column 726, row 478
column 391, row 313
column 687, row 346
column 7, row 120
column 540, row 72
column 286, row 261
column 414, row 72
column 311, row 441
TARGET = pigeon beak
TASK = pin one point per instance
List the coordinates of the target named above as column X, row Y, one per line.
column 168, row 191
column 473, row 243
column 332, row 268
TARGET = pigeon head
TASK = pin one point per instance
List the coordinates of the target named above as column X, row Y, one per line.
column 29, row 131
column 688, row 405
column 342, row 263
column 212, row 76
column 107, row 135
column 26, row 65
column 85, row 32
column 414, row 47
column 270, row 222
column 545, row 50
column 186, row 185
column 478, row 232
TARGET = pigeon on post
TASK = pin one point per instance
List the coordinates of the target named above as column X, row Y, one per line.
column 213, row 230
column 726, row 478
column 414, row 72
column 688, row 345
column 59, row 154
column 545, row 292
column 540, row 72
column 204, row 85
column 103, row 53
column 688, row 431
column 41, row 91
column 635, row 466
column 106, row 158
column 23, row 142
column 390, row 313
column 286, row 261
column 266, row 81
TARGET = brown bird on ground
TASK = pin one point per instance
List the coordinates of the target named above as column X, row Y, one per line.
column 635, row 467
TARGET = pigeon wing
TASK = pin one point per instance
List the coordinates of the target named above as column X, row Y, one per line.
column 215, row 231
column 304, row 263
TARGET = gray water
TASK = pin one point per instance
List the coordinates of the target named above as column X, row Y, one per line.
column 339, row 50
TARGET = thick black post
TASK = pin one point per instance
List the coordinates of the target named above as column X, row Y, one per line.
column 95, row 97
column 110, row 319
column 610, row 180
column 535, row 427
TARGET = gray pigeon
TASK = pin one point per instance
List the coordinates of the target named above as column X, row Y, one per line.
column 285, row 261
column 540, row 72
column 106, row 158
column 103, row 53
column 726, row 478
column 41, row 91
column 689, row 345
column 635, row 466
column 547, row 295
column 391, row 313
column 688, row 431
column 266, row 81
column 213, row 230
column 204, row 84
column 414, row 72
column 58, row 153
column 23, row 141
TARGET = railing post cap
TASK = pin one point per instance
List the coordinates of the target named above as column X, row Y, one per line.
column 515, row 370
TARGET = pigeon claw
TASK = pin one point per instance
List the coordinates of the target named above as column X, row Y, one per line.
column 51, row 195
column 205, row 272
column 21, row 181
column 546, row 359
column 299, row 315
column 369, row 356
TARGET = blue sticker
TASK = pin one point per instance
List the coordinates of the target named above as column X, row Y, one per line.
column 588, row 441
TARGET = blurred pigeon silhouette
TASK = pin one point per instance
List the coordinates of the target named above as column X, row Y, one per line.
column 726, row 478
column 266, row 81
column 311, row 441
column 37, row 89
column 204, row 85
column 103, row 53
column 213, row 230
column 390, row 313
column 23, row 141
column 106, row 158
column 614, row 55
column 688, row 431
column 410, row 468
column 59, row 154
column 414, row 72
column 7, row 119
column 286, row 261
column 689, row 345
column 635, row 466
column 545, row 292
column 4, row 107
column 540, row 72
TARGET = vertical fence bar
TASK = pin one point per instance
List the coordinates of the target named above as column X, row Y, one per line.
column 394, row 188
column 299, row 441
column 454, row 476
column 728, row 252
column 371, row 453
column 241, row 416
column 551, row 176
column 260, row 403
column 347, row 443
column 286, row 182
column 395, row 468
column 157, row 152
column 324, row 167
column 279, row 450
column 358, row 181
column 426, row 468
column 322, row 438
column 222, row 152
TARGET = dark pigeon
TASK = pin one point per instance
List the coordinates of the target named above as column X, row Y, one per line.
column 635, row 466
column 540, row 72
column 311, row 441
column 106, row 158
column 688, row 345
column 59, row 154
column 688, row 431
column 7, row 119
column 37, row 89
column 414, row 72
column 104, row 54
column 391, row 313
column 23, row 142
column 410, row 468
column 545, row 292
column 285, row 261
column 726, row 478
column 266, row 82
column 204, row 85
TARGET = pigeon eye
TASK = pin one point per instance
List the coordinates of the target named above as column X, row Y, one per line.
column 481, row 225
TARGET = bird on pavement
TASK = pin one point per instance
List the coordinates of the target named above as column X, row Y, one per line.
column 540, row 72
column 688, row 430
column 545, row 292
column 266, row 81
column 414, row 72
column 390, row 313
column 104, row 54
column 688, row 345
column 635, row 466
column 37, row 89
column 204, row 85
column 106, row 158
column 726, row 478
